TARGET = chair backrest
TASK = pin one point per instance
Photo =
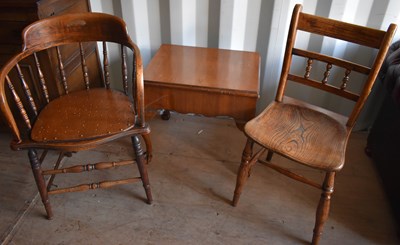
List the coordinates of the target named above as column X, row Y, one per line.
column 364, row 36
column 22, row 100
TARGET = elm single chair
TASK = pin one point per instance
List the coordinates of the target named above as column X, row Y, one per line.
column 305, row 133
column 82, row 116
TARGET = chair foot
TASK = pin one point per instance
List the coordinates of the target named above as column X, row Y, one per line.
column 40, row 182
column 141, row 163
column 244, row 171
column 323, row 207
column 242, row 176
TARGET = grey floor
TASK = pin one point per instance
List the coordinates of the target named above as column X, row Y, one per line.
column 193, row 177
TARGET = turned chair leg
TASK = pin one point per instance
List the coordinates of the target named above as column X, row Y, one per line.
column 244, row 170
column 40, row 182
column 141, row 163
column 323, row 206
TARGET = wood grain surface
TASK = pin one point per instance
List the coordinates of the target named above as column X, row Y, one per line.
column 206, row 81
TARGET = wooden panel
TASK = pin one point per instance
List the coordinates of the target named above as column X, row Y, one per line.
column 348, row 32
column 70, row 53
column 57, row 7
column 76, row 77
column 207, row 103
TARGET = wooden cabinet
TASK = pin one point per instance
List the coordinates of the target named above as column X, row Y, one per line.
column 17, row 14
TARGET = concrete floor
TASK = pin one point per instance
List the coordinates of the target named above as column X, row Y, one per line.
column 193, row 175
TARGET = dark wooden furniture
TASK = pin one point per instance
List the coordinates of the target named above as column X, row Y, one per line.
column 207, row 81
column 84, row 116
column 305, row 133
column 17, row 14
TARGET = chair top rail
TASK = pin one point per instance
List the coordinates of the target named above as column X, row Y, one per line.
column 345, row 31
column 72, row 28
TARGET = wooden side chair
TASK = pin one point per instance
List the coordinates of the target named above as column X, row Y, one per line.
column 83, row 116
column 305, row 133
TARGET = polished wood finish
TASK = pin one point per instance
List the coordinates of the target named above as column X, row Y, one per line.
column 110, row 118
column 306, row 133
column 298, row 132
column 78, row 119
column 207, row 81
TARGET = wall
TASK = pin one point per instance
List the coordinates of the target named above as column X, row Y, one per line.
column 251, row 25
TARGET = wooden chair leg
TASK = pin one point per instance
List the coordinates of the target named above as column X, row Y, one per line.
column 323, row 206
column 40, row 182
column 149, row 147
column 244, row 170
column 141, row 163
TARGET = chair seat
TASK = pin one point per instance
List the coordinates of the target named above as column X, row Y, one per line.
column 307, row 136
column 84, row 115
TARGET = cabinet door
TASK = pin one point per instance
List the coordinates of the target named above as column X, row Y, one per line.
column 70, row 54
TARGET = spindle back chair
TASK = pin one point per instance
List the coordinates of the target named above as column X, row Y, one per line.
column 82, row 117
column 306, row 133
